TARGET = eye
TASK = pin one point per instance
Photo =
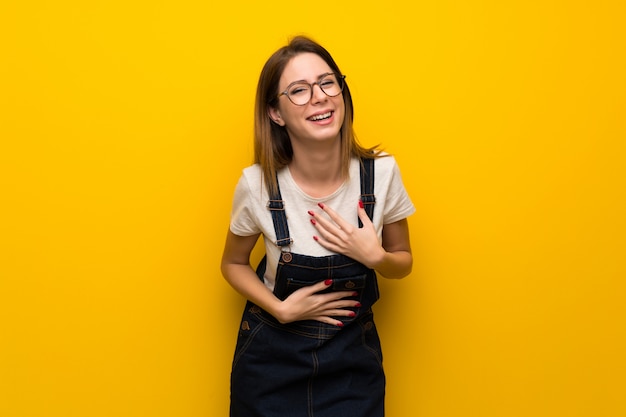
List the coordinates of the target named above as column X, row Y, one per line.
column 298, row 90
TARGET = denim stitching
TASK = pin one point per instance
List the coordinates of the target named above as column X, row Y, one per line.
column 247, row 343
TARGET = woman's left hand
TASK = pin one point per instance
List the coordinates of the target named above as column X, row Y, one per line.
column 340, row 236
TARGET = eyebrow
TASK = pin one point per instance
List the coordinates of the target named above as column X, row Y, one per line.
column 305, row 81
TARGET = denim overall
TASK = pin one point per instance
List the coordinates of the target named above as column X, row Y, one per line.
column 308, row 368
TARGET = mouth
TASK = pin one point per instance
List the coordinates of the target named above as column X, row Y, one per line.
column 322, row 116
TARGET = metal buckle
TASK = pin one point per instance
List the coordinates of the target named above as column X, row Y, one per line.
column 275, row 204
column 286, row 255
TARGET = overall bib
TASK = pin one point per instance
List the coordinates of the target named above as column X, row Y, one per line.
column 308, row 368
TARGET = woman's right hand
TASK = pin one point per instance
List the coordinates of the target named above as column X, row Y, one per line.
column 303, row 304
column 308, row 304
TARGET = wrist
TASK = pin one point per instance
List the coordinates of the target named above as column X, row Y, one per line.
column 375, row 261
column 277, row 310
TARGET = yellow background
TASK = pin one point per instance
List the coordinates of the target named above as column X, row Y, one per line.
column 124, row 126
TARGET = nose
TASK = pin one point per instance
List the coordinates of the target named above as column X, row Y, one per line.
column 318, row 94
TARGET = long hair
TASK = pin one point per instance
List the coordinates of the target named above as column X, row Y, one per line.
column 272, row 147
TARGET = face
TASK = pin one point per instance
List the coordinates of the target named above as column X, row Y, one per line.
column 322, row 117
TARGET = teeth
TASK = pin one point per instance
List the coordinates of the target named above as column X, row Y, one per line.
column 321, row 116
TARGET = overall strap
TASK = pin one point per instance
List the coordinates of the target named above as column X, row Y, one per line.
column 276, row 206
column 367, row 188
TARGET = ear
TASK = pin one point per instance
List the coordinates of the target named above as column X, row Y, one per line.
column 274, row 114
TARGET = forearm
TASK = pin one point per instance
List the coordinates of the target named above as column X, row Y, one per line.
column 396, row 264
column 245, row 281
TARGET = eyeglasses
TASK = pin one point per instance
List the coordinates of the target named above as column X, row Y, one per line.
column 301, row 92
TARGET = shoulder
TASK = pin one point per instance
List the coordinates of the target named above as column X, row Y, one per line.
column 247, row 200
column 251, row 177
column 385, row 165
column 252, row 172
column 385, row 160
column 250, row 182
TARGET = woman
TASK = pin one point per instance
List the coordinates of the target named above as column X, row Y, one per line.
column 331, row 214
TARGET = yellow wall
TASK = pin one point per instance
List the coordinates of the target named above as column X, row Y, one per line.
column 124, row 126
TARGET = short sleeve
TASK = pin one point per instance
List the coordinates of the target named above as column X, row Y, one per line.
column 243, row 221
column 398, row 205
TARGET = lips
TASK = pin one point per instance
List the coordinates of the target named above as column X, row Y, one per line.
column 320, row 116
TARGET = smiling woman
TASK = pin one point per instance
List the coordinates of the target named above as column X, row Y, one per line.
column 301, row 92
column 307, row 343
column 124, row 126
column 321, row 121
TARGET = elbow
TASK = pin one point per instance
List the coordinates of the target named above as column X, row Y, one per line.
column 405, row 273
column 400, row 274
column 399, row 269
column 225, row 269
column 408, row 269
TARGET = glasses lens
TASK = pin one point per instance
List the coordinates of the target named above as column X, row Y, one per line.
column 299, row 94
column 331, row 85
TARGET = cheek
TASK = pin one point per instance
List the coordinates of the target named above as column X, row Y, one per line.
column 293, row 115
column 341, row 108
column 339, row 103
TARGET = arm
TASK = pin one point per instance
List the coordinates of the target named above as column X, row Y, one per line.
column 397, row 261
column 237, row 271
column 303, row 304
column 392, row 258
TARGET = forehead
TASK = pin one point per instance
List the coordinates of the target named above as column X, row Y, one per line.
column 306, row 66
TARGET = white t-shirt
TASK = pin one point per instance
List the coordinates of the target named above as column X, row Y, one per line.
column 251, row 216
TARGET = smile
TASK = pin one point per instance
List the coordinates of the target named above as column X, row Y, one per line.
column 321, row 116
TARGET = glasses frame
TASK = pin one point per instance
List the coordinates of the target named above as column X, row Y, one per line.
column 340, row 79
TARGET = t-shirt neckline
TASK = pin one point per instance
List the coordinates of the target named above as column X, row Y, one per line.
column 292, row 182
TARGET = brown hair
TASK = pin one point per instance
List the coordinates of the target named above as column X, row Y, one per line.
column 272, row 147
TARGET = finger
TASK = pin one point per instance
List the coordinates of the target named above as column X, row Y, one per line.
column 327, row 230
column 329, row 237
column 320, row 286
column 329, row 320
column 309, row 290
column 334, row 216
column 341, row 313
column 339, row 295
column 325, row 225
column 365, row 219
column 347, row 303
column 339, row 299
column 331, row 296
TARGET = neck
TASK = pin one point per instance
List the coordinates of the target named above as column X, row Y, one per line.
column 317, row 171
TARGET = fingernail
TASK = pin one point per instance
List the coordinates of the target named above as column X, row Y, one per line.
column 313, row 221
column 357, row 305
column 340, row 324
column 352, row 314
column 311, row 213
column 360, row 204
column 315, row 238
column 354, row 294
column 321, row 205
column 328, row 281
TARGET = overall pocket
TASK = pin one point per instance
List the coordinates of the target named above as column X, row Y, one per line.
column 285, row 287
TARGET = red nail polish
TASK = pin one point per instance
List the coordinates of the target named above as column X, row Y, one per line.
column 313, row 222
column 352, row 314
column 360, row 204
column 321, row 205
column 315, row 238
column 357, row 305
column 354, row 294
column 311, row 213
column 340, row 324
column 328, row 281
